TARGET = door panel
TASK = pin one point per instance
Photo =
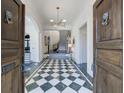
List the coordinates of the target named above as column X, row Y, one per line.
column 104, row 33
column 108, row 46
column 113, row 29
column 108, row 82
column 12, row 32
column 3, row 84
column 10, row 52
column 116, row 19
column 15, row 80
column 111, row 56
column 13, row 8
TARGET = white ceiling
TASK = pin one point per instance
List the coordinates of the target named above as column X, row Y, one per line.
column 69, row 9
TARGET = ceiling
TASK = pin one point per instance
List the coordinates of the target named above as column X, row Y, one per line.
column 69, row 9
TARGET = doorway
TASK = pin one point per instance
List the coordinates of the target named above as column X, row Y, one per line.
column 83, row 48
column 50, row 42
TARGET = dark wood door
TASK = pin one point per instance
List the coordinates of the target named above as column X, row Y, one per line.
column 108, row 46
column 12, row 33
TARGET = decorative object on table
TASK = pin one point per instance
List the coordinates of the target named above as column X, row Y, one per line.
column 27, row 54
column 27, row 44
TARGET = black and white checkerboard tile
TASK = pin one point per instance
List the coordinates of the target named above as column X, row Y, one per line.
column 58, row 76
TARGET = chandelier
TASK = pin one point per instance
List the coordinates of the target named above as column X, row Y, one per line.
column 58, row 21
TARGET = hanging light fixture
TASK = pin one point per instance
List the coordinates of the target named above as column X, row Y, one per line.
column 58, row 21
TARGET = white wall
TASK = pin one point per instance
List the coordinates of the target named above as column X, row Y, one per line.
column 35, row 29
column 86, row 16
column 83, row 44
column 32, row 30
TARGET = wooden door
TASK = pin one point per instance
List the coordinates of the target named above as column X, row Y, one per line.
column 12, row 33
column 108, row 46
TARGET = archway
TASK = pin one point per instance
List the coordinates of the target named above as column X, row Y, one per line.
column 32, row 56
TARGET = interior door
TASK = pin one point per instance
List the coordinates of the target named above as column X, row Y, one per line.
column 108, row 46
column 12, row 34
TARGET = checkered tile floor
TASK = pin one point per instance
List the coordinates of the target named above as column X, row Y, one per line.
column 58, row 76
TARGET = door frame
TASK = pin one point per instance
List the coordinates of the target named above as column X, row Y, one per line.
column 97, row 2
column 22, row 36
column 81, row 52
column 94, row 47
column 22, row 43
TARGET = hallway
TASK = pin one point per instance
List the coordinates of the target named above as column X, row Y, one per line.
column 61, row 46
column 58, row 76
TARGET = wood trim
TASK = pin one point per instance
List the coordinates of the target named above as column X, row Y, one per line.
column 122, row 19
column 117, row 71
column 115, row 44
column 97, row 3
column 12, row 61
column 22, row 44
column 94, row 46
column 23, row 29
column 12, row 44
column 18, row 2
column 8, row 59
column 110, row 56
